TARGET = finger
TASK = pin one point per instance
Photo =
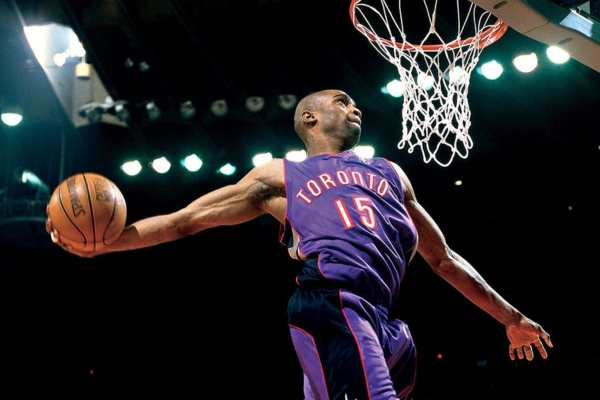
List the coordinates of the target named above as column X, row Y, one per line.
column 546, row 338
column 48, row 225
column 511, row 352
column 541, row 349
column 519, row 351
column 528, row 352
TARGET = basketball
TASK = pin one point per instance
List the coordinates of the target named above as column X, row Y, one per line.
column 88, row 211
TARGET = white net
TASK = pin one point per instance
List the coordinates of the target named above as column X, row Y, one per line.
column 435, row 72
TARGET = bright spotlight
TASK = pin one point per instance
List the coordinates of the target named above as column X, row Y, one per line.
column 526, row 63
column 192, row 163
column 161, row 165
column 557, row 55
column 261, row 159
column 227, row 169
column 425, row 81
column 132, row 168
column 395, row 88
column 12, row 116
column 491, row 70
column 365, row 151
column 296, row 155
column 457, row 76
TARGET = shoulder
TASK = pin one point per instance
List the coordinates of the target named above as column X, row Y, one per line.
column 407, row 187
column 398, row 169
column 270, row 173
column 265, row 181
column 274, row 172
column 392, row 164
column 267, row 188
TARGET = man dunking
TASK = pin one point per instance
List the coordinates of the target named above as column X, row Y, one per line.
column 355, row 224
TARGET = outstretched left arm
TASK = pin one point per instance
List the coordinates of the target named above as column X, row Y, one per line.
column 522, row 332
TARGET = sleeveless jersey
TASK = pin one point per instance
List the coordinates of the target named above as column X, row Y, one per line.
column 352, row 225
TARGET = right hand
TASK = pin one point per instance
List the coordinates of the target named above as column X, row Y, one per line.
column 55, row 237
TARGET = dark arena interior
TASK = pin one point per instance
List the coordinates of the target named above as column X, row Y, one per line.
column 207, row 314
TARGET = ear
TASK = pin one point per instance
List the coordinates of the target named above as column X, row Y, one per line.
column 308, row 116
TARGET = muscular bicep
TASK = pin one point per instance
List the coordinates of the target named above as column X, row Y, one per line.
column 432, row 243
column 259, row 192
column 229, row 205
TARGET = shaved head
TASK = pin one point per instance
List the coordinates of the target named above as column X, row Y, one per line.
column 310, row 102
column 328, row 119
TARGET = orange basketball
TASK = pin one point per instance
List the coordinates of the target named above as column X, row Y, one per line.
column 88, row 211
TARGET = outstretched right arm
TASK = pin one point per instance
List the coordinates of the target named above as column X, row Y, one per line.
column 261, row 191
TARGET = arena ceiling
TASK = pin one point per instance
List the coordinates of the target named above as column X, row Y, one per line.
column 169, row 52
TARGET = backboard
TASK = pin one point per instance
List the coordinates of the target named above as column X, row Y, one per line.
column 573, row 26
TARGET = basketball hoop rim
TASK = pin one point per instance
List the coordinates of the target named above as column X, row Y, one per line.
column 487, row 37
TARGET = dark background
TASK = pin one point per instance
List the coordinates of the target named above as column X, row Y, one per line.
column 206, row 316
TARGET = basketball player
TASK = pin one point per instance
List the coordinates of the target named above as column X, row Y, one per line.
column 356, row 224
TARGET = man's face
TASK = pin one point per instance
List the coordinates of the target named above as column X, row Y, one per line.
column 340, row 118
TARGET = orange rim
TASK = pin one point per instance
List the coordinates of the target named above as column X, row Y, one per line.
column 487, row 37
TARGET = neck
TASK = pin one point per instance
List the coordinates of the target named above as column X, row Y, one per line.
column 317, row 153
column 324, row 148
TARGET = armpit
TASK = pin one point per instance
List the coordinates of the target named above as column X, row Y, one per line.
column 271, row 200
column 265, row 193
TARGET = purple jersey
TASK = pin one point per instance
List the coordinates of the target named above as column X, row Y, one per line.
column 349, row 215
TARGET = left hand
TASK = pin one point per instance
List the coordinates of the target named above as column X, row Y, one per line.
column 525, row 335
